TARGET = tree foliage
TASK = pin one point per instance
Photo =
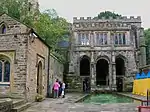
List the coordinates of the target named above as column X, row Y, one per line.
column 147, row 35
column 147, row 41
column 108, row 14
column 51, row 27
column 47, row 24
column 17, row 9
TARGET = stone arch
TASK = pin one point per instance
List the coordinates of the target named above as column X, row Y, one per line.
column 122, row 57
column 102, row 71
column 120, row 71
column 103, row 57
column 84, row 65
column 2, row 56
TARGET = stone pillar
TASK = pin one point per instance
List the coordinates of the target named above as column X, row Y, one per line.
column 92, row 71
column 128, row 39
column 92, row 39
column 142, row 48
column 109, row 38
column 110, row 75
column 113, row 72
column 92, row 75
column 113, row 76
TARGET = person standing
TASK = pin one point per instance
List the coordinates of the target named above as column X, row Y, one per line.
column 60, row 88
column 56, row 89
column 63, row 90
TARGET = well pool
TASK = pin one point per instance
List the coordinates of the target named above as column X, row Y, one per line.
column 107, row 98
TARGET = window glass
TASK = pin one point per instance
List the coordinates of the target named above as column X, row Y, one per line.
column 124, row 38
column 3, row 29
column 6, row 71
column 116, row 39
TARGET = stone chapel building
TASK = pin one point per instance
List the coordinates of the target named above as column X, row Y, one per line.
column 105, row 54
column 24, row 60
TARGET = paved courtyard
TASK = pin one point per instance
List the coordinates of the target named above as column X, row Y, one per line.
column 67, row 105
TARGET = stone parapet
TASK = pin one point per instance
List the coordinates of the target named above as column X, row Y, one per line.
column 123, row 19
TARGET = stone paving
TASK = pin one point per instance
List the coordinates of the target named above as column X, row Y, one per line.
column 67, row 105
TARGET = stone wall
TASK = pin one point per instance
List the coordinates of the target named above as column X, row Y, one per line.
column 56, row 70
column 37, row 52
column 13, row 47
column 24, row 50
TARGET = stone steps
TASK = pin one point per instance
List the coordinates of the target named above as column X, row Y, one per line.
column 18, row 102
column 20, row 105
column 21, row 108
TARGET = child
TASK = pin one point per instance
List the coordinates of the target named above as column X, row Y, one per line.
column 63, row 90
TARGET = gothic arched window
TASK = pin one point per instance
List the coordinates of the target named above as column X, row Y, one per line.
column 3, row 29
column 4, row 70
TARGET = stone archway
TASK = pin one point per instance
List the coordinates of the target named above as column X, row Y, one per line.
column 85, row 73
column 120, row 72
column 102, row 72
column 39, row 78
column 85, row 66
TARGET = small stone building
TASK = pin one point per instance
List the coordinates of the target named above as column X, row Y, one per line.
column 105, row 53
column 24, row 60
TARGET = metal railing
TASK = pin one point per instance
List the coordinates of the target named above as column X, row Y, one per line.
column 145, row 104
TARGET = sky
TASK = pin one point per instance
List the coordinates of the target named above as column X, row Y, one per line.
column 90, row 8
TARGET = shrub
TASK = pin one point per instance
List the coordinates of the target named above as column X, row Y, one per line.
column 39, row 98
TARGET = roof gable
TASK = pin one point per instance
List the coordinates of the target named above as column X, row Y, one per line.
column 15, row 26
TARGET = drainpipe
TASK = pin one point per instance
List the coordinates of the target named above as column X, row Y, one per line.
column 48, row 84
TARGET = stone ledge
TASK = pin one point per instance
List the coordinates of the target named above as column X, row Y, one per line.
column 6, row 105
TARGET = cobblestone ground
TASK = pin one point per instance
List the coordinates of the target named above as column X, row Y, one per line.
column 67, row 105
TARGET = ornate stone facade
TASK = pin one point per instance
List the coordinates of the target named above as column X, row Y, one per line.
column 105, row 53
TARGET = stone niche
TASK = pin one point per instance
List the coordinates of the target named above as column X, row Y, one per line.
column 6, row 105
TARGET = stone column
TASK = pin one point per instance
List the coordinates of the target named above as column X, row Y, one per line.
column 114, row 76
column 92, row 75
column 109, row 38
column 113, row 72
column 110, row 75
column 92, row 71
column 92, row 39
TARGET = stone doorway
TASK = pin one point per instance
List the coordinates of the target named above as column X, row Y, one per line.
column 85, row 73
column 86, row 84
column 102, row 72
column 39, row 78
column 120, row 72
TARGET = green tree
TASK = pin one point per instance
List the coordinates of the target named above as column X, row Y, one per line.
column 18, row 9
column 47, row 24
column 12, row 7
column 51, row 27
column 147, row 41
column 108, row 14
